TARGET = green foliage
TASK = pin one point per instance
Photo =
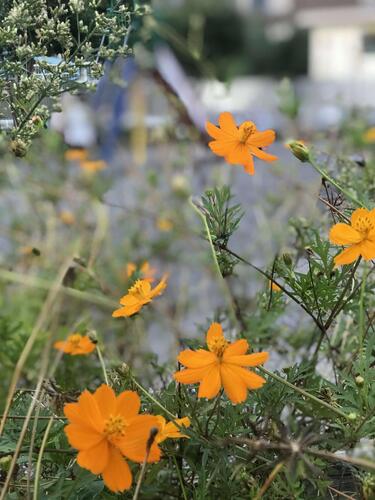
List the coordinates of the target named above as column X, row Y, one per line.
column 223, row 220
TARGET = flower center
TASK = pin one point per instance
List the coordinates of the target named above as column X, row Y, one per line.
column 137, row 289
column 218, row 345
column 75, row 340
column 114, row 427
column 246, row 129
column 364, row 225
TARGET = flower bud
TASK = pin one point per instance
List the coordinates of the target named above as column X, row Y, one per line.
column 18, row 147
column 359, row 381
column 300, row 150
column 352, row 416
column 287, row 258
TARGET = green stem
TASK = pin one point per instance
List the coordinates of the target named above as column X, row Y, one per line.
column 362, row 328
column 36, row 282
column 217, row 266
column 151, row 398
column 303, row 392
column 40, row 456
column 332, row 181
column 102, row 364
column 180, row 478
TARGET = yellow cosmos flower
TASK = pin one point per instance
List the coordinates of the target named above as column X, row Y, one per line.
column 170, row 430
column 105, row 429
column 238, row 145
column 92, row 166
column 140, row 294
column 358, row 236
column 221, row 366
column 75, row 344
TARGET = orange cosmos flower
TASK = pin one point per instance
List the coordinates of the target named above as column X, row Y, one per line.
column 221, row 366
column 358, row 236
column 139, row 295
column 67, row 217
column 170, row 430
column 105, row 428
column 75, row 344
column 76, row 154
column 92, row 166
column 369, row 135
column 165, row 225
column 145, row 271
column 238, row 145
column 274, row 287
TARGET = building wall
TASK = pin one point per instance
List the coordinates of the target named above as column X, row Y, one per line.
column 337, row 53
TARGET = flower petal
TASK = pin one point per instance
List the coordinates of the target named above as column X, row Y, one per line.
column 82, row 437
column 262, row 155
column 129, row 300
column 137, row 434
column 106, row 399
column 249, row 166
column 239, row 155
column 348, row 255
column 128, row 404
column 368, row 249
column 90, row 411
column 74, row 414
column 343, row 234
column 215, row 331
column 117, row 475
column 160, row 287
column 96, row 458
column 214, row 131
column 191, row 375
column 234, row 386
column 210, row 384
column 127, row 311
column 196, row 359
column 359, row 213
column 227, row 123
column 236, row 349
column 251, row 379
column 262, row 139
column 248, row 359
column 222, row 148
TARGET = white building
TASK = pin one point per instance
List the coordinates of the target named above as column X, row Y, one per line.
column 341, row 38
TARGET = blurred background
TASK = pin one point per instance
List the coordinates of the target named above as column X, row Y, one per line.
column 305, row 68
